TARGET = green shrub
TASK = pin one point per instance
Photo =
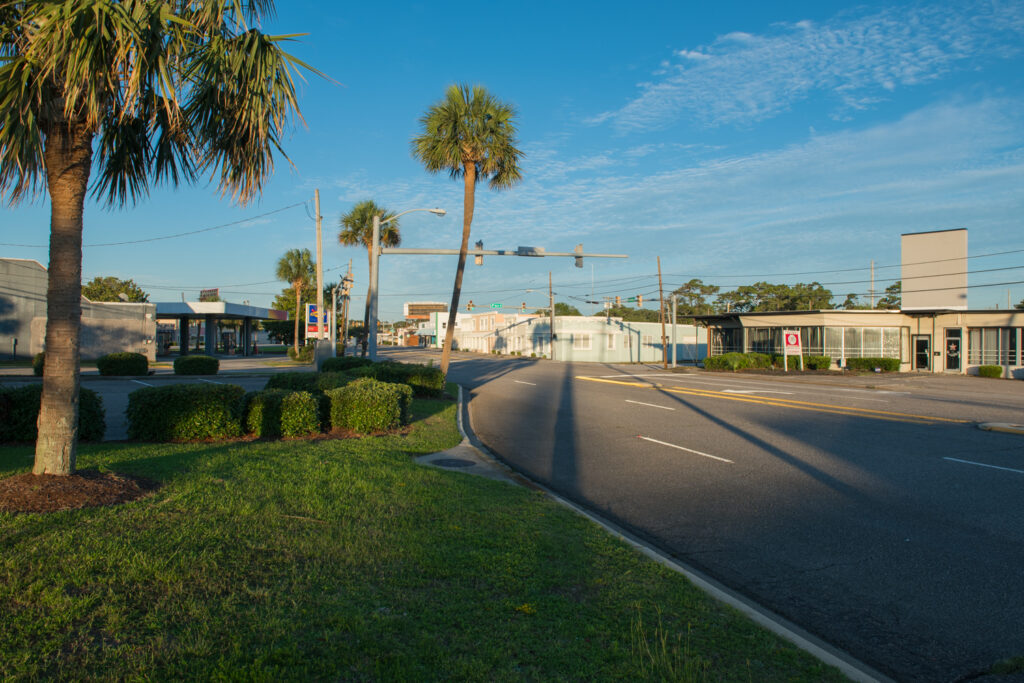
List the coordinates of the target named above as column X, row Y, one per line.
column 727, row 361
column 196, row 364
column 185, row 412
column 995, row 371
column 761, row 361
column 425, row 381
column 19, row 411
column 278, row 412
column 123, row 363
column 38, row 361
column 342, row 363
column 303, row 355
column 369, row 405
column 818, row 362
column 308, row 381
column 884, row 364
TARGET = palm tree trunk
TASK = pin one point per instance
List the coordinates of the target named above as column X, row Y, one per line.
column 298, row 309
column 68, row 157
column 468, row 195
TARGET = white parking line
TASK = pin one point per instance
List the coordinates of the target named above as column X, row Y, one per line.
column 688, row 450
column 210, row 381
column 530, row 383
column 145, row 384
column 981, row 464
column 649, row 405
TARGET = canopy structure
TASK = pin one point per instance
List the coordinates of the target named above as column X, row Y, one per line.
column 211, row 312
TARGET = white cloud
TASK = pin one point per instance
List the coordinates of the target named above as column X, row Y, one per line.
column 742, row 77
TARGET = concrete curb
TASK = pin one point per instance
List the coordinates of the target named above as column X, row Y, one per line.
column 851, row 667
column 1005, row 427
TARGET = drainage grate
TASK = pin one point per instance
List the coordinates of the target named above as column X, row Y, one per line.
column 452, row 462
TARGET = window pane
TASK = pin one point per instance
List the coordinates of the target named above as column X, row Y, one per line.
column 872, row 347
column 990, row 346
column 851, row 339
column 834, row 342
column 890, row 342
column 974, row 346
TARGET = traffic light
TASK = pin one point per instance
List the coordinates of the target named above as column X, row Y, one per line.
column 579, row 257
column 618, row 301
column 523, row 307
column 639, row 300
column 469, row 306
column 479, row 258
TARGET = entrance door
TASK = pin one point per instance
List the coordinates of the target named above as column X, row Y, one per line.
column 922, row 351
column 953, row 349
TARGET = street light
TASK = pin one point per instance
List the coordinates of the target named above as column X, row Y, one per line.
column 371, row 328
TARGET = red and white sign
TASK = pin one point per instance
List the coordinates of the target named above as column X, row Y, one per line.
column 791, row 343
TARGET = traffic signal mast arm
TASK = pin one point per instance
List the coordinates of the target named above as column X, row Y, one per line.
column 520, row 251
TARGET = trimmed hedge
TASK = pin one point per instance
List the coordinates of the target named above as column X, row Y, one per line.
column 308, row 381
column 185, row 412
column 810, row 362
column 196, row 364
column 19, row 412
column 342, row 363
column 38, row 361
column 277, row 412
column 993, row 371
column 426, row 382
column 885, row 364
column 727, row 361
column 304, row 355
column 123, row 363
column 369, row 405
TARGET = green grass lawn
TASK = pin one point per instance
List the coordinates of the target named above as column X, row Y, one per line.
column 344, row 560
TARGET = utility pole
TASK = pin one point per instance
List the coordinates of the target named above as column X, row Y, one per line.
column 871, row 292
column 675, row 317
column 661, row 302
column 319, row 270
column 551, row 297
column 347, row 291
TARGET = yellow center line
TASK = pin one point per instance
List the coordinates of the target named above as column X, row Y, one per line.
column 785, row 403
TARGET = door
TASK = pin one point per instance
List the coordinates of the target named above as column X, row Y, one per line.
column 922, row 351
column 953, row 349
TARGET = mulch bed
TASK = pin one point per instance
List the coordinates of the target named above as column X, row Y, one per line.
column 84, row 489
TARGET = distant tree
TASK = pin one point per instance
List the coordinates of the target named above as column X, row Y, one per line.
column 110, row 288
column 282, row 331
column 634, row 315
column 764, row 296
column 693, row 298
column 561, row 308
column 297, row 268
column 893, row 297
column 469, row 134
column 1020, row 304
column 852, row 303
column 357, row 229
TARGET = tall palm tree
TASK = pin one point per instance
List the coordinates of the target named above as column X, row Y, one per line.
column 357, row 228
column 162, row 91
column 470, row 134
column 297, row 268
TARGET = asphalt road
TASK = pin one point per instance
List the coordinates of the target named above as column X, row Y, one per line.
column 871, row 511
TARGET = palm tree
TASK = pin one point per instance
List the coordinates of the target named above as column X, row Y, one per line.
column 296, row 267
column 357, row 228
column 470, row 134
column 163, row 92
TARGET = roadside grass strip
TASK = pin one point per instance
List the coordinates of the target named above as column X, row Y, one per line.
column 888, row 415
column 342, row 559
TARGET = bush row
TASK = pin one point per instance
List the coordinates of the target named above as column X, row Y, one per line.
column 423, row 380
column 303, row 355
column 122, row 363
column 191, row 412
column 870, row 364
column 19, row 412
column 196, row 364
column 743, row 361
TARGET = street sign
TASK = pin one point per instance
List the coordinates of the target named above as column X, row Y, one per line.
column 495, row 305
column 313, row 319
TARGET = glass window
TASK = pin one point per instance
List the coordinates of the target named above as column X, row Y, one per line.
column 610, row 343
column 872, row 342
column 649, row 339
column 834, row 342
column 581, row 342
column 890, row 342
column 851, row 342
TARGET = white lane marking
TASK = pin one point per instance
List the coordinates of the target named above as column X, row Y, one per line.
column 530, row 383
column 688, row 450
column 210, row 381
column 755, row 391
column 145, row 384
column 649, row 405
column 981, row 464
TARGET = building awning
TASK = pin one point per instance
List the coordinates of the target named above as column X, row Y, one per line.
column 175, row 310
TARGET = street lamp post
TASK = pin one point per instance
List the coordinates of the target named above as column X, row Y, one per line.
column 374, row 271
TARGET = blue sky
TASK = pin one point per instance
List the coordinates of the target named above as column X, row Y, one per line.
column 788, row 142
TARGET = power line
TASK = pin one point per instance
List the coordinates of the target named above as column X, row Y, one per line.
column 166, row 237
